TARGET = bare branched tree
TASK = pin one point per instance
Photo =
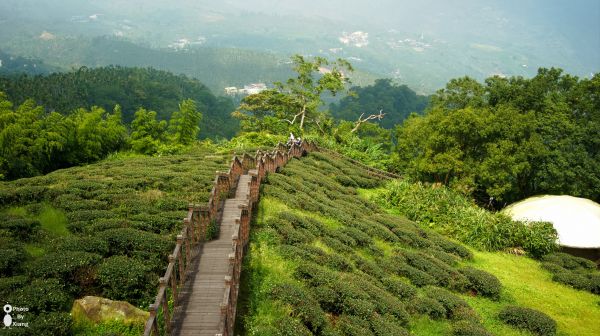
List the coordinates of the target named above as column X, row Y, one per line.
column 360, row 120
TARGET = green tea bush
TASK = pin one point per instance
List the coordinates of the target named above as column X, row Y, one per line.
column 23, row 229
column 358, row 307
column 342, row 237
column 569, row 262
column 354, row 326
column 416, row 276
column 411, row 239
column 9, row 284
column 451, row 303
column 12, row 260
column 51, row 323
column 346, row 181
column 576, row 272
column 427, row 306
column 387, row 325
column 156, row 223
column 41, row 296
column 401, row 289
column 483, row 283
column 84, row 244
column 337, row 245
column 573, row 279
column 451, row 247
column 443, row 274
column 529, row 319
column 369, row 267
column 65, row 265
column 360, row 237
column 469, row 328
column 89, row 215
column 125, row 241
column 439, row 254
column 315, row 275
column 101, row 224
column 124, row 278
column 304, row 306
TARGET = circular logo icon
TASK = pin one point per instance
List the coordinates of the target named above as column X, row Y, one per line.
column 7, row 308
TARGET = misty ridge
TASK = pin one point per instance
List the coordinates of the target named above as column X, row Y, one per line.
column 419, row 43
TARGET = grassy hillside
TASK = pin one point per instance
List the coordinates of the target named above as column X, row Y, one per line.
column 324, row 260
column 103, row 229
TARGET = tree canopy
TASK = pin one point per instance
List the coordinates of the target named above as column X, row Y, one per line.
column 396, row 101
column 509, row 138
column 297, row 101
column 132, row 88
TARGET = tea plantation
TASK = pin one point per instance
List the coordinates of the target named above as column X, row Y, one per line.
column 324, row 260
column 104, row 229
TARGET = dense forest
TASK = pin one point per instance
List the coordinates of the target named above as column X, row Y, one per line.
column 34, row 142
column 10, row 64
column 131, row 88
column 508, row 138
column 396, row 101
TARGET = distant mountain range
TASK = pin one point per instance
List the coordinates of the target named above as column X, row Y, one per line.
column 232, row 43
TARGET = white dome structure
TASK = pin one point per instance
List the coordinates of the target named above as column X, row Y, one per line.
column 576, row 220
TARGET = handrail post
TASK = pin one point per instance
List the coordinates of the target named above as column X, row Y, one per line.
column 180, row 260
column 165, row 306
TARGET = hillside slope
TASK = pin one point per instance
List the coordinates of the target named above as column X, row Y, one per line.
column 103, row 229
column 325, row 261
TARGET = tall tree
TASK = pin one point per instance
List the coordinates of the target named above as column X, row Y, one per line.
column 146, row 132
column 508, row 138
column 185, row 123
column 298, row 99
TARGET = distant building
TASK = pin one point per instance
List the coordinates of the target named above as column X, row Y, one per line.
column 248, row 89
column 231, row 90
column 254, row 88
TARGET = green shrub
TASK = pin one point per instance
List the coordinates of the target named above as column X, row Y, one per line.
column 569, row 262
column 529, row 319
column 468, row 328
column 573, row 279
column 73, row 267
column 22, row 229
column 337, row 245
column 108, row 328
column 358, row 307
column 126, row 241
column 89, row 215
column 51, row 323
column 346, row 181
column 451, row 303
column 84, row 244
column 402, row 290
column 12, row 260
column 41, row 295
column 124, row 278
column 416, row 276
column 360, row 237
column 438, row 253
column 304, row 306
column 369, row 267
column 387, row 325
column 8, row 285
column 353, row 326
column 483, row 283
column 452, row 247
column 427, row 306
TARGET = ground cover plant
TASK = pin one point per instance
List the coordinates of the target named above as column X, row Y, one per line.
column 103, row 229
column 325, row 261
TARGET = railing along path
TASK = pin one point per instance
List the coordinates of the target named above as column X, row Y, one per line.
column 198, row 293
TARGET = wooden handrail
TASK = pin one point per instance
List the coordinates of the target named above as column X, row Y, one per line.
column 195, row 227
